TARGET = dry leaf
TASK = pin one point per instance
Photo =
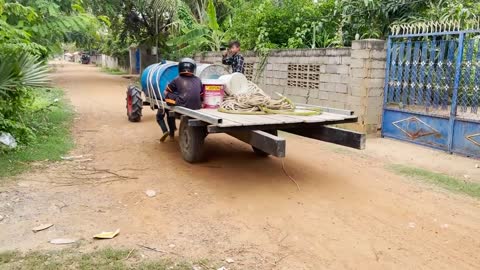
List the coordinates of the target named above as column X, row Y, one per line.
column 107, row 235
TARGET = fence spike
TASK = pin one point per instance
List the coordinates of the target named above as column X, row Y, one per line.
column 433, row 27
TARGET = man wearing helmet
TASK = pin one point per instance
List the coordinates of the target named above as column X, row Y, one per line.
column 185, row 90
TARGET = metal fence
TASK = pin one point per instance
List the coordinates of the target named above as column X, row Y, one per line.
column 432, row 90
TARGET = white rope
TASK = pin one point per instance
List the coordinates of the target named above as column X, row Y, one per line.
column 255, row 100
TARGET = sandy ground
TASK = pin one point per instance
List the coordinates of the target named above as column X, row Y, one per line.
column 351, row 213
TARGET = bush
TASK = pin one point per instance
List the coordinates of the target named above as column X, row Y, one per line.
column 48, row 119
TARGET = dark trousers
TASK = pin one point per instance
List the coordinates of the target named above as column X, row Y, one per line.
column 170, row 121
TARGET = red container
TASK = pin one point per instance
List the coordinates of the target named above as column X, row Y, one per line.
column 214, row 93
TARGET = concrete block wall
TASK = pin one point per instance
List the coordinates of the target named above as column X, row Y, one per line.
column 95, row 59
column 111, row 62
column 343, row 78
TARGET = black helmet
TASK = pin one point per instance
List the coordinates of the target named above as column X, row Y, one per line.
column 187, row 65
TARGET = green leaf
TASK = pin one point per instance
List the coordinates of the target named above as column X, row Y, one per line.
column 191, row 37
column 52, row 11
column 78, row 7
column 22, row 71
column 212, row 16
column 105, row 20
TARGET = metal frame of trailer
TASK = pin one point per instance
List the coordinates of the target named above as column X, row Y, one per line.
column 260, row 131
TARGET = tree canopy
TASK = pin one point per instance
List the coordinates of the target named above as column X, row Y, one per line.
column 187, row 26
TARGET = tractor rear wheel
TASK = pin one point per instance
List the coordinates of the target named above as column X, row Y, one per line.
column 191, row 141
column 134, row 104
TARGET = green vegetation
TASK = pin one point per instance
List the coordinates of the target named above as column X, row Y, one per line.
column 183, row 27
column 447, row 182
column 49, row 117
column 113, row 71
column 108, row 258
column 31, row 31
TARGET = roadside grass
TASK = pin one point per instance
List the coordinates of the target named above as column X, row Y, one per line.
column 114, row 71
column 52, row 140
column 447, row 182
column 107, row 258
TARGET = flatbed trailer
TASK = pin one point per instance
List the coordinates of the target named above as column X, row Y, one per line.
column 261, row 131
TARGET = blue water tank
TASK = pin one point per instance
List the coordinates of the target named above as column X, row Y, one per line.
column 162, row 73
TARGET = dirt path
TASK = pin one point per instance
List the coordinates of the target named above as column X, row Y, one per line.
column 351, row 213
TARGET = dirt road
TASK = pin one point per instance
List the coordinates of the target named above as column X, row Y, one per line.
column 351, row 213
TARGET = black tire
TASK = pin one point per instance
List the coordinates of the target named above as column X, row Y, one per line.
column 259, row 152
column 191, row 141
column 134, row 104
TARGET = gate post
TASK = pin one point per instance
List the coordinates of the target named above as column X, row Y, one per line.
column 387, row 80
column 453, row 109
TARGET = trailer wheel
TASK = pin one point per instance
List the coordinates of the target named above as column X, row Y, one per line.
column 134, row 104
column 191, row 141
column 259, row 152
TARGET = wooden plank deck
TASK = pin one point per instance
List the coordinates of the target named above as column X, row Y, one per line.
column 238, row 120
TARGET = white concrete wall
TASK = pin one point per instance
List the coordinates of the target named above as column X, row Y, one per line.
column 111, row 62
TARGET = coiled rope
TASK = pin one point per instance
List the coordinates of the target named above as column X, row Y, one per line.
column 256, row 101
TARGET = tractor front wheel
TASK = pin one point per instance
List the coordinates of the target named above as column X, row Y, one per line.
column 134, row 104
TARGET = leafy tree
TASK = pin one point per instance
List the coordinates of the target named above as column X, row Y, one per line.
column 197, row 34
column 30, row 31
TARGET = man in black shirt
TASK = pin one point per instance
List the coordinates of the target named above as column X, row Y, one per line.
column 233, row 57
column 185, row 90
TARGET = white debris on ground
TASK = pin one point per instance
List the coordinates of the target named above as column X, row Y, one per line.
column 42, row 227
column 62, row 241
column 151, row 193
column 8, row 140
column 77, row 158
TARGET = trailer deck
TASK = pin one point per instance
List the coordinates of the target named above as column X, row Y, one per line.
column 237, row 120
column 260, row 131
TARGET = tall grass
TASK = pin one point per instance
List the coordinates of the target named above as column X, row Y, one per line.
column 51, row 123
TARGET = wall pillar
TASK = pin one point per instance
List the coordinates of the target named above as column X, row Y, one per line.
column 367, row 76
column 132, row 60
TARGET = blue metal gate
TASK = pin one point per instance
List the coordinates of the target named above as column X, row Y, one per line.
column 432, row 90
column 137, row 61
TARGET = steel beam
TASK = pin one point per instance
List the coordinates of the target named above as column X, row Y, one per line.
column 262, row 140
column 196, row 123
column 334, row 135
column 195, row 114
